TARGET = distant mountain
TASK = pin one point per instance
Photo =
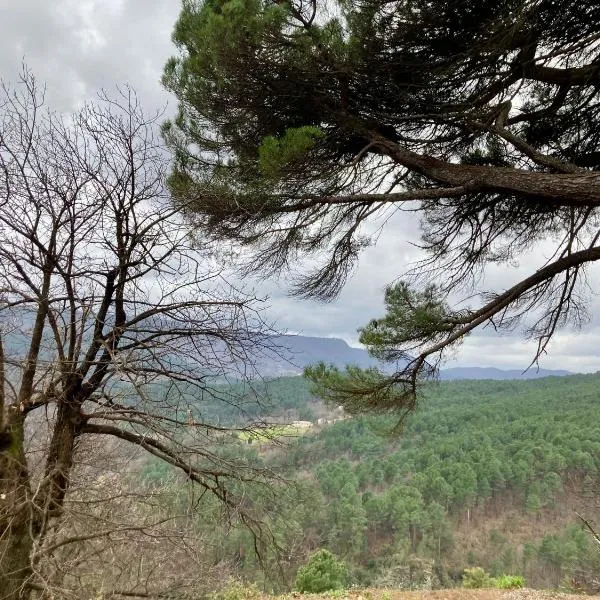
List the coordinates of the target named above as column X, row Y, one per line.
column 493, row 373
column 298, row 351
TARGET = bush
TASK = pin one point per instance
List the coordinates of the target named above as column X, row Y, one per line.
column 476, row 577
column 509, row 582
column 236, row 590
column 322, row 573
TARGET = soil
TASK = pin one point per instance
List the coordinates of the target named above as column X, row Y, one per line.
column 448, row 594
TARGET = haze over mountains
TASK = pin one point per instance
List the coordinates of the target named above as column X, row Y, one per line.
column 299, row 351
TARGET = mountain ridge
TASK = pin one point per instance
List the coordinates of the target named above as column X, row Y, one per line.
column 299, row 351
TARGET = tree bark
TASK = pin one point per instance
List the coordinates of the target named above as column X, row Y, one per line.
column 60, row 458
column 560, row 189
column 18, row 524
column 23, row 518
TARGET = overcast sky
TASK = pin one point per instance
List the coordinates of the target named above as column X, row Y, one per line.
column 80, row 46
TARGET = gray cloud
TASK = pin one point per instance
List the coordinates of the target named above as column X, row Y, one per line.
column 80, row 46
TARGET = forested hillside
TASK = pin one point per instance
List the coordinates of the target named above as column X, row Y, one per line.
column 485, row 473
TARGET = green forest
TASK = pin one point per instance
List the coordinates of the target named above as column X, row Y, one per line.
column 484, row 473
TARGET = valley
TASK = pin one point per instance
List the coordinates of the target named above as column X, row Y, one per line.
column 485, row 473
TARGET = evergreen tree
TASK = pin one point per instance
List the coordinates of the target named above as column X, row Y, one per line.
column 299, row 121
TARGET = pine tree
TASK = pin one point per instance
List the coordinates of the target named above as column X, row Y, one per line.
column 300, row 121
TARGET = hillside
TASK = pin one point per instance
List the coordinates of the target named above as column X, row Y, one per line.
column 480, row 475
column 485, row 473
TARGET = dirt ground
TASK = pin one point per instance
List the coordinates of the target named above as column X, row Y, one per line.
column 450, row 594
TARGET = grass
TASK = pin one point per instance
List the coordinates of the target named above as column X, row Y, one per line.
column 273, row 432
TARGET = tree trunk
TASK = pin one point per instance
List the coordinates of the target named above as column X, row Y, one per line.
column 60, row 458
column 24, row 519
column 18, row 524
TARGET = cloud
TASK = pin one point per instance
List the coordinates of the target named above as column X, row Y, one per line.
column 80, row 46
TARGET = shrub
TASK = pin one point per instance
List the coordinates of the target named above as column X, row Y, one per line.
column 509, row 582
column 236, row 590
column 322, row 573
column 476, row 577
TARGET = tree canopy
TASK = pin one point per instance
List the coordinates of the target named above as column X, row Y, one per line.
column 300, row 121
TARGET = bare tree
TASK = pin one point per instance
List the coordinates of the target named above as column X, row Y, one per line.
column 132, row 528
column 111, row 325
